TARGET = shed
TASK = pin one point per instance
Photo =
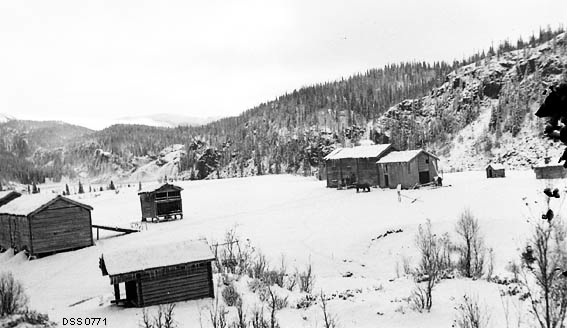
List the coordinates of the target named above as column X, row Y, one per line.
column 44, row 224
column 162, row 273
column 8, row 196
column 550, row 171
column 408, row 168
column 495, row 171
column 161, row 203
column 347, row 166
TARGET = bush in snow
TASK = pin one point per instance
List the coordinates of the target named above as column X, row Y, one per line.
column 230, row 295
column 162, row 319
column 544, row 273
column 12, row 297
column 427, row 274
column 471, row 247
column 329, row 320
column 470, row 314
column 306, row 279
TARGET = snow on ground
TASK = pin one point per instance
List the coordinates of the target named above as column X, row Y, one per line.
column 302, row 220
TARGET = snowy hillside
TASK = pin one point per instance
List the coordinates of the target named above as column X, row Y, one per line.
column 5, row 118
column 337, row 231
column 484, row 111
column 164, row 120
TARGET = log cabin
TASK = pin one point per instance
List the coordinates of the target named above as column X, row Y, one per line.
column 549, row 171
column 356, row 165
column 161, row 203
column 495, row 171
column 408, row 168
column 45, row 224
column 8, row 196
column 159, row 274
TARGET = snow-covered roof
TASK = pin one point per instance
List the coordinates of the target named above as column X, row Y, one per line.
column 153, row 187
column 358, row 152
column 402, row 156
column 7, row 196
column 156, row 256
column 26, row 205
column 496, row 166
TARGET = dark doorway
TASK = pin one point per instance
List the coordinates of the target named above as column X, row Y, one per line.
column 132, row 292
column 424, row 177
column 386, row 181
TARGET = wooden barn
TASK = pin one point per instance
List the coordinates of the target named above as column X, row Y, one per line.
column 8, row 196
column 408, row 168
column 158, row 274
column 45, row 224
column 495, row 171
column 162, row 203
column 347, row 166
column 547, row 171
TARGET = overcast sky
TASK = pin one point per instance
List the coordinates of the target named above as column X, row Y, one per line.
column 88, row 62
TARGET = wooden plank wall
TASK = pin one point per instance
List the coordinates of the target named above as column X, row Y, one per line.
column 5, row 240
column 147, row 202
column 61, row 226
column 176, row 283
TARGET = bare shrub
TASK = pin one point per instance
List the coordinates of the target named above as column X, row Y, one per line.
column 162, row 319
column 470, row 314
column 471, row 248
column 445, row 256
column 306, row 279
column 275, row 304
column 217, row 315
column 429, row 269
column 241, row 317
column 258, row 320
column 230, row 295
column 329, row 320
column 258, row 267
column 542, row 274
column 12, row 297
column 234, row 256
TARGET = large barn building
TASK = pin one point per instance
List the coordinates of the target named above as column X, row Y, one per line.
column 159, row 274
column 45, row 224
column 346, row 166
column 408, row 168
column 161, row 203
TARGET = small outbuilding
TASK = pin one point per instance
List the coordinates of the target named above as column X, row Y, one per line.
column 45, row 224
column 550, row 171
column 158, row 274
column 356, row 165
column 407, row 168
column 161, row 203
column 8, row 196
column 495, row 171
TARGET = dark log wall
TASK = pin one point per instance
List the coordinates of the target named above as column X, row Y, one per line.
column 61, row 226
column 148, row 204
column 176, row 283
column 550, row 172
column 362, row 169
column 15, row 232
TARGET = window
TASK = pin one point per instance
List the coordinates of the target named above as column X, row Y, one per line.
column 427, row 160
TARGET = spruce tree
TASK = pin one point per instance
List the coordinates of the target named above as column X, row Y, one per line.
column 67, row 192
column 111, row 187
column 81, row 190
column 1, row 188
column 139, row 185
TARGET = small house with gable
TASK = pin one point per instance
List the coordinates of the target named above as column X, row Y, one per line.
column 408, row 168
column 44, row 224
column 161, row 273
column 161, row 203
column 494, row 170
column 355, row 165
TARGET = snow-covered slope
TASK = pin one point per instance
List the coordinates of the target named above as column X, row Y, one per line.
column 302, row 220
column 5, row 118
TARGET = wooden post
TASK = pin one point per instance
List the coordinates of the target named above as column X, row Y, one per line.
column 97, row 229
column 117, row 292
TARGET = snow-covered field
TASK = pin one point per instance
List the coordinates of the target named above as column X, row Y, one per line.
column 305, row 222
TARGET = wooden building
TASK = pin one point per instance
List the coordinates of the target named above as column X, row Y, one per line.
column 347, row 166
column 8, row 196
column 408, row 168
column 495, row 171
column 549, row 171
column 45, row 224
column 158, row 274
column 162, row 203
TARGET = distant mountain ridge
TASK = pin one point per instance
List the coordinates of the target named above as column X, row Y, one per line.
column 165, row 120
column 438, row 106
